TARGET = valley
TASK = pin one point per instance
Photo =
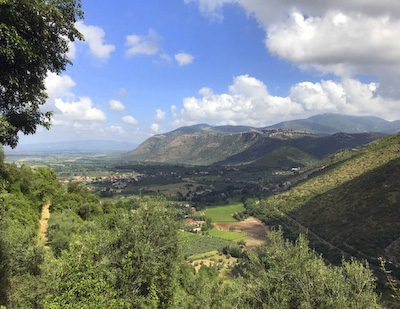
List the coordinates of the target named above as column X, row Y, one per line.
column 340, row 190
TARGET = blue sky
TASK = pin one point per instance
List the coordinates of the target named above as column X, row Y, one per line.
column 148, row 67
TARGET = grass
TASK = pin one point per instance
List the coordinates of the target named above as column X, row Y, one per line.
column 223, row 213
column 226, row 235
column 192, row 244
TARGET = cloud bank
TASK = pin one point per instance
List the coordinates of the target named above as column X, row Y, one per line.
column 249, row 102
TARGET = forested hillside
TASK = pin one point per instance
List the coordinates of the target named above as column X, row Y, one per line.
column 350, row 207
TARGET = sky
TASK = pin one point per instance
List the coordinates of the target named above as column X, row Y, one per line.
column 150, row 66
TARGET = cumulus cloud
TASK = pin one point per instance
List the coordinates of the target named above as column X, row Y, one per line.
column 71, row 54
column 94, row 37
column 160, row 115
column 129, row 120
column 249, row 102
column 344, row 44
column 173, row 109
column 271, row 11
column 77, row 111
column 346, row 38
column 116, row 105
column 155, row 128
column 142, row 45
column 58, row 85
column 184, row 59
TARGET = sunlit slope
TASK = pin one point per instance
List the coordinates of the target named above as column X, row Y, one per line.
column 361, row 216
column 353, row 204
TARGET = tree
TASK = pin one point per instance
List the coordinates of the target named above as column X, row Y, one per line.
column 34, row 37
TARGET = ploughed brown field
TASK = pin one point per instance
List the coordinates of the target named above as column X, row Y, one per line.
column 255, row 229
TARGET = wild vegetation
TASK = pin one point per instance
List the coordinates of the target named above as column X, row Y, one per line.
column 116, row 255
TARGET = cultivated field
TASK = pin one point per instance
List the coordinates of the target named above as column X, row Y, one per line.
column 223, row 213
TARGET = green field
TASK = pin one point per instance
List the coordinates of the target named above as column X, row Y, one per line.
column 192, row 244
column 223, row 213
column 226, row 235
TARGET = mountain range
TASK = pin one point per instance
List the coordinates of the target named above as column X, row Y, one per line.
column 296, row 142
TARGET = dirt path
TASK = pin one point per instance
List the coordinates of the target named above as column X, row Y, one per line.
column 44, row 222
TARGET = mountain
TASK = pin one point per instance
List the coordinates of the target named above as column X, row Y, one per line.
column 85, row 146
column 351, row 206
column 296, row 142
column 334, row 123
column 199, row 148
column 205, row 128
column 204, row 145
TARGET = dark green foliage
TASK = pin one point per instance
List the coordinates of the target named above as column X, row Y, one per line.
column 208, row 225
column 34, row 38
column 192, row 244
column 62, row 225
column 20, row 255
column 286, row 275
column 200, row 290
column 130, row 263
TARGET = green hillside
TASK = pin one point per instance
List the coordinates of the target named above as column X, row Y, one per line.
column 374, row 155
column 362, row 216
column 285, row 157
column 352, row 204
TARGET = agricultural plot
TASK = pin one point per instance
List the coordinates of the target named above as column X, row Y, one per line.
column 224, row 213
column 193, row 244
column 226, row 235
column 222, row 262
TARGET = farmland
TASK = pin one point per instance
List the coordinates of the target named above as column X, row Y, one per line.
column 224, row 213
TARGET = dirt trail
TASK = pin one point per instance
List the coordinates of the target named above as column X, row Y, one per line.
column 44, row 222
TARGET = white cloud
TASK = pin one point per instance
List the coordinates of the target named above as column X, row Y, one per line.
column 129, row 119
column 71, row 54
column 160, row 115
column 211, row 8
column 116, row 105
column 142, row 45
column 77, row 111
column 173, row 111
column 94, row 37
column 344, row 44
column 249, row 102
column 346, row 38
column 58, row 85
column 184, row 59
column 155, row 128
column 165, row 57
column 271, row 11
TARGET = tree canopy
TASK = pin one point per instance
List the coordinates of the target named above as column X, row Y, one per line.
column 34, row 38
